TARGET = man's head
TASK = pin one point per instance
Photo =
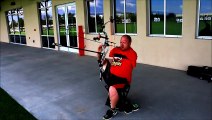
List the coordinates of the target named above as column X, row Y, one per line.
column 125, row 42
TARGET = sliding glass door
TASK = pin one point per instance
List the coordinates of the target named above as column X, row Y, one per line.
column 67, row 30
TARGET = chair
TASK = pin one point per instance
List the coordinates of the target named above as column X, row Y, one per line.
column 123, row 101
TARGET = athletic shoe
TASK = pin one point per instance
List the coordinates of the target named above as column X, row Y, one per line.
column 128, row 110
column 135, row 107
column 109, row 114
column 131, row 108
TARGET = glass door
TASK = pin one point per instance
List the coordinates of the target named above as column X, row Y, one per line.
column 67, row 30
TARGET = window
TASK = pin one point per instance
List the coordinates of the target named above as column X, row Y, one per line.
column 95, row 16
column 46, row 22
column 16, row 29
column 166, row 17
column 125, row 16
column 204, row 19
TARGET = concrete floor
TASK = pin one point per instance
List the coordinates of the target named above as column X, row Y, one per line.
column 54, row 85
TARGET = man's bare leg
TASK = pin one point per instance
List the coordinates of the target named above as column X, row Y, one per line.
column 114, row 97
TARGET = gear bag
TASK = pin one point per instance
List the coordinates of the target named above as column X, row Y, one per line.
column 203, row 73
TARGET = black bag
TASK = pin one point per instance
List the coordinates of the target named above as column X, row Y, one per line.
column 203, row 73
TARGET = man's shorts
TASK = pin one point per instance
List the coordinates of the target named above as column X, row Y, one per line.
column 113, row 80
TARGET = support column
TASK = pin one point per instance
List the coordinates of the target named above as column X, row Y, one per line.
column 81, row 40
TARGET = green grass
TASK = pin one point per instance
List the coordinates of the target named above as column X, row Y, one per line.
column 51, row 31
column 157, row 28
column 131, row 28
column 11, row 110
column 17, row 33
column 202, row 24
column 172, row 28
column 119, row 28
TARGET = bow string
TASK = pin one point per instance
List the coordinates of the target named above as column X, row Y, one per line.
column 105, row 46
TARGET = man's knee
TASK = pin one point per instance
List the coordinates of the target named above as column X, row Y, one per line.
column 113, row 91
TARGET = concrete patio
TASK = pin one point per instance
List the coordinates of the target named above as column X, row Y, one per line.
column 55, row 85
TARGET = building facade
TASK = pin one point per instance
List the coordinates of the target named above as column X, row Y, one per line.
column 166, row 33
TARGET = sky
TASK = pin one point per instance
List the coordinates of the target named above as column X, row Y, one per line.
column 71, row 9
column 206, row 6
column 131, row 5
column 175, row 6
column 99, row 6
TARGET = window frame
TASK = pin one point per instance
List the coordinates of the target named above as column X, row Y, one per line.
column 125, row 28
column 47, row 35
column 87, row 12
column 16, row 13
column 197, row 25
column 164, row 33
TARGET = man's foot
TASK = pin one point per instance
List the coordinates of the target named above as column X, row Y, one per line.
column 128, row 110
column 133, row 107
column 109, row 114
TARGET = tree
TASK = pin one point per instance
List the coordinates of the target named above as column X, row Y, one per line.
column 131, row 16
column 21, row 22
column 171, row 16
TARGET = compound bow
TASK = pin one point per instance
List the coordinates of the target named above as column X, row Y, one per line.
column 104, row 49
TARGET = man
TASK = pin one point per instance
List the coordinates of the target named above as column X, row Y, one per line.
column 120, row 72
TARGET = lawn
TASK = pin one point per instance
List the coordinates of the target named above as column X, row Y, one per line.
column 130, row 28
column 11, row 110
column 172, row 28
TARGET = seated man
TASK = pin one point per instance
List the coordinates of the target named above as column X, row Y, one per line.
column 120, row 73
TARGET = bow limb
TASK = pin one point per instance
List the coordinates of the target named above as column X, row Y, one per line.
column 104, row 51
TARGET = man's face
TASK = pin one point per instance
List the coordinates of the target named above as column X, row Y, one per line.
column 124, row 43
